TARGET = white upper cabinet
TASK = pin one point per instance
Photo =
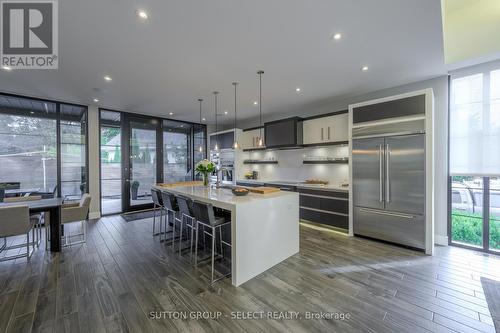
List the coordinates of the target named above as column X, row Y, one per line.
column 326, row 129
column 250, row 139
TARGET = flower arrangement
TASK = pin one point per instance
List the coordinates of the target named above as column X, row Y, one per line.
column 205, row 167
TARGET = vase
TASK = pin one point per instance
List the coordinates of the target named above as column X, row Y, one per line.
column 205, row 179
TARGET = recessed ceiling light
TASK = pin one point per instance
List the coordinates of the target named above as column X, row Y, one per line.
column 225, row 112
column 255, row 103
column 364, row 68
column 203, row 119
column 337, row 36
column 108, row 78
column 142, row 14
column 170, row 113
column 96, row 100
column 6, row 68
column 298, row 89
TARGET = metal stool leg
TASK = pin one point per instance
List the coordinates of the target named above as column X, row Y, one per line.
column 196, row 246
column 213, row 254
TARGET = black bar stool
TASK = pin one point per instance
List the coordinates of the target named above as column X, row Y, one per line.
column 157, row 205
column 188, row 221
column 173, row 214
column 205, row 217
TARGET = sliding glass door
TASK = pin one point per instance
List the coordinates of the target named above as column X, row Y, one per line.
column 177, row 149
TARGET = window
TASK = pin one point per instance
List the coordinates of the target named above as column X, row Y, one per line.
column 474, row 158
column 176, row 151
column 29, row 146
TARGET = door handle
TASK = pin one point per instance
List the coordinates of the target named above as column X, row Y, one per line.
column 380, row 175
column 328, row 132
column 387, row 173
column 322, row 134
column 379, row 212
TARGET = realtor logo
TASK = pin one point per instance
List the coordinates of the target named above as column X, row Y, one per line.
column 29, row 34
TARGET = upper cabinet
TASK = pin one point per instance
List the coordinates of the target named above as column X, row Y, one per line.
column 326, row 129
column 250, row 139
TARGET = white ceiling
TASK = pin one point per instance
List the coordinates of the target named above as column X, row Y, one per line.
column 187, row 49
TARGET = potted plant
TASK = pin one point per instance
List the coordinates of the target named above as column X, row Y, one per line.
column 205, row 167
column 134, row 187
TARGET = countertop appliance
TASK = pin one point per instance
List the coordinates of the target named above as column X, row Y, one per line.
column 388, row 172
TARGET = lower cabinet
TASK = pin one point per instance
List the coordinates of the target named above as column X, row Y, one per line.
column 325, row 207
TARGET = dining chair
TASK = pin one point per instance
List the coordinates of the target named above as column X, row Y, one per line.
column 15, row 221
column 70, row 213
column 35, row 218
column 188, row 221
column 173, row 215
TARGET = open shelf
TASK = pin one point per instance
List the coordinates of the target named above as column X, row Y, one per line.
column 346, row 161
column 259, row 162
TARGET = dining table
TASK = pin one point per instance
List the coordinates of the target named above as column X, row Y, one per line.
column 52, row 205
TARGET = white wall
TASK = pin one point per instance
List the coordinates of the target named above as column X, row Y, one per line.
column 440, row 87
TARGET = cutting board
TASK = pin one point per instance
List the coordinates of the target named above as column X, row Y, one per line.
column 263, row 189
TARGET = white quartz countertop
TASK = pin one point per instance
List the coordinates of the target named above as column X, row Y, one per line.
column 219, row 196
column 329, row 187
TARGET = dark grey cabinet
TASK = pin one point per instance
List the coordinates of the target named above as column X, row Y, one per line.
column 285, row 133
column 224, row 140
column 325, row 207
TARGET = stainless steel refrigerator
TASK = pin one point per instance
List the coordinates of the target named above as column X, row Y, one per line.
column 389, row 188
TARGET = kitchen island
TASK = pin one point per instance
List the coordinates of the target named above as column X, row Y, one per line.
column 264, row 227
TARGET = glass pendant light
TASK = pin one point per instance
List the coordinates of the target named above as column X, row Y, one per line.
column 216, row 147
column 201, row 145
column 235, row 144
column 261, row 139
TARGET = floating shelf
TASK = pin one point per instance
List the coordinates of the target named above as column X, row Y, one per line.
column 259, row 162
column 327, row 162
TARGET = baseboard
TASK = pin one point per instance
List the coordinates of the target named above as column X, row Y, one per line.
column 441, row 240
column 94, row 215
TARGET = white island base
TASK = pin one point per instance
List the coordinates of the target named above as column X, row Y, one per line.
column 264, row 227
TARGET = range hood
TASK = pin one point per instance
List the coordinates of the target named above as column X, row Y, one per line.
column 284, row 133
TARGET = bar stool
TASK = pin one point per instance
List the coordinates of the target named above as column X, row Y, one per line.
column 157, row 205
column 173, row 214
column 187, row 220
column 205, row 217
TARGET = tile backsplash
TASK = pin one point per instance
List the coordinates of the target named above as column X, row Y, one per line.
column 290, row 166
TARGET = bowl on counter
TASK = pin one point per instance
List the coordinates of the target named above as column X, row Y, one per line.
column 240, row 191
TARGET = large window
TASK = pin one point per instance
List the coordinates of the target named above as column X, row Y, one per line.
column 33, row 152
column 474, row 157
column 176, row 151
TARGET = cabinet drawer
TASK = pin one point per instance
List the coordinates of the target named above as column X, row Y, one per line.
column 334, row 205
column 323, row 193
column 333, row 220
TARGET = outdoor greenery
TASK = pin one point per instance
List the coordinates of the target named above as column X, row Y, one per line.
column 468, row 228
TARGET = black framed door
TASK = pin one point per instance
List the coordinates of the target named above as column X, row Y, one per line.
column 141, row 161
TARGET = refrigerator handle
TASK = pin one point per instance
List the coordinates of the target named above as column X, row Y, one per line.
column 380, row 174
column 387, row 174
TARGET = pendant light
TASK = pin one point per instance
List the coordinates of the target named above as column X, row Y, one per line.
column 261, row 139
column 235, row 144
column 216, row 127
column 201, row 145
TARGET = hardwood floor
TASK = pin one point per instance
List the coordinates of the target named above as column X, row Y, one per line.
column 121, row 276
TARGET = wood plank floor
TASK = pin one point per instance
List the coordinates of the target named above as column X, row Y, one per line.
column 121, row 275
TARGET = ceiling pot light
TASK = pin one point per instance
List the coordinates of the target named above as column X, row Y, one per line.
column 337, row 36
column 255, row 103
column 364, row 68
column 261, row 139
column 235, row 144
column 216, row 147
column 108, row 78
column 96, row 100
column 7, row 68
column 225, row 112
column 203, row 119
column 142, row 14
column 170, row 113
column 298, row 89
